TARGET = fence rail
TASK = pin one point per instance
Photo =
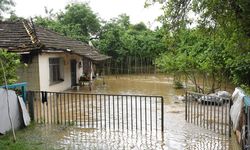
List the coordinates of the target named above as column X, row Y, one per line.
column 131, row 112
column 209, row 112
column 130, row 65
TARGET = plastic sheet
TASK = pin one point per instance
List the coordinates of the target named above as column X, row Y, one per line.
column 238, row 104
column 15, row 109
column 25, row 113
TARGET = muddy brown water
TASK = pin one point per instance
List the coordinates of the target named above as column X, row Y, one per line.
column 137, row 85
column 177, row 135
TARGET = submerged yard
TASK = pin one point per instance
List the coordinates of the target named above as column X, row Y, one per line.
column 207, row 41
column 178, row 134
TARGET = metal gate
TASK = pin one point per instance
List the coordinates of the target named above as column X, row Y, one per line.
column 209, row 112
column 131, row 112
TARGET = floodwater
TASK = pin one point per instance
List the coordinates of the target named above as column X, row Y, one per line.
column 137, row 85
column 177, row 135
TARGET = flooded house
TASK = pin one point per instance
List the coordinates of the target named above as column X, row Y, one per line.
column 52, row 62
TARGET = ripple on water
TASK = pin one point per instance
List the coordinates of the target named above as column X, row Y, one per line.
column 178, row 134
column 108, row 139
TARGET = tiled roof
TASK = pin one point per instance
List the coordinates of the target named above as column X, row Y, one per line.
column 22, row 36
column 13, row 36
column 61, row 42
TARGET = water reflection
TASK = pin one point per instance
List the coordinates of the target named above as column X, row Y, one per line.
column 135, row 85
column 66, row 137
column 107, row 139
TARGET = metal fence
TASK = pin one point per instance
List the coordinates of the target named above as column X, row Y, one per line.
column 131, row 112
column 209, row 112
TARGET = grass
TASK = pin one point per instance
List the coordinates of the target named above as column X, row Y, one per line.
column 24, row 140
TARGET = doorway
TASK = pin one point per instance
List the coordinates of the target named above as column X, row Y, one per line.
column 73, row 72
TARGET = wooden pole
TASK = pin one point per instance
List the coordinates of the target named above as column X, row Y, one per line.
column 91, row 75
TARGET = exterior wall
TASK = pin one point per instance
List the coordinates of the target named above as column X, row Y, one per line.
column 30, row 73
column 44, row 71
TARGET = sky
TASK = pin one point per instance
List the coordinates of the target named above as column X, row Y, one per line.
column 106, row 9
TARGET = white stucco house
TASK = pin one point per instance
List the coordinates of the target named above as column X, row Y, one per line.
column 52, row 62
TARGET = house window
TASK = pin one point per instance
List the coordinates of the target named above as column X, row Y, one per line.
column 55, row 70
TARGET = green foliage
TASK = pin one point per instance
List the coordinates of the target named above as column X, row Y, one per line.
column 120, row 39
column 80, row 16
column 193, row 54
column 13, row 17
column 10, row 63
column 246, row 89
column 217, row 46
column 78, row 21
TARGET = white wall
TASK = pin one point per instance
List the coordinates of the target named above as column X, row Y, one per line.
column 44, row 71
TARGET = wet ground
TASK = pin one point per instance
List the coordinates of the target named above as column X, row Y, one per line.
column 177, row 133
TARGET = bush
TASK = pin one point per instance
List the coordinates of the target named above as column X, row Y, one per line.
column 246, row 89
column 11, row 62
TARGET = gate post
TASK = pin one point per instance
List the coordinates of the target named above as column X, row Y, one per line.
column 186, row 99
column 230, row 121
column 30, row 98
column 162, row 114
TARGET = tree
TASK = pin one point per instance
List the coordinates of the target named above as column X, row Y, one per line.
column 226, row 21
column 78, row 21
column 5, row 6
column 196, row 55
column 13, row 17
column 119, row 39
column 10, row 63
column 130, row 45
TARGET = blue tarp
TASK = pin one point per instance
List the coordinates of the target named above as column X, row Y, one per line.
column 23, row 87
column 246, row 102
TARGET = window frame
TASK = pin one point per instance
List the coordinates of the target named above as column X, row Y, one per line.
column 55, row 70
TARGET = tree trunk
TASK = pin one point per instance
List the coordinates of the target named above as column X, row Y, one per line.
column 213, row 83
column 141, row 64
